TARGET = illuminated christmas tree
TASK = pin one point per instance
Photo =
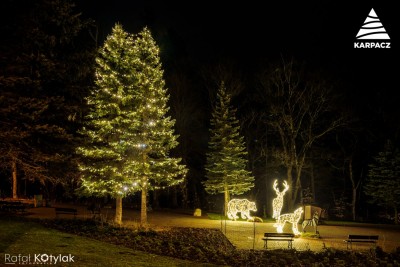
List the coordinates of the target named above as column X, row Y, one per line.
column 155, row 135
column 129, row 133
column 109, row 147
column 226, row 161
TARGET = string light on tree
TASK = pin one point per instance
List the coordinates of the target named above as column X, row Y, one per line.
column 128, row 132
column 154, row 131
column 105, row 157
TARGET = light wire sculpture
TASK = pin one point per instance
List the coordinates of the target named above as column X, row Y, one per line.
column 277, row 203
column 292, row 218
column 243, row 206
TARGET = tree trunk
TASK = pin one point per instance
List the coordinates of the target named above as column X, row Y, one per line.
column 267, row 184
column 183, row 187
column 298, row 187
column 268, row 204
column 14, row 179
column 290, row 183
column 143, row 208
column 156, row 203
column 118, row 210
column 184, row 191
column 174, row 197
column 312, row 181
column 226, row 200
column 354, row 190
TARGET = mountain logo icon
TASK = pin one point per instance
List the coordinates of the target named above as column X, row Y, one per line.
column 372, row 29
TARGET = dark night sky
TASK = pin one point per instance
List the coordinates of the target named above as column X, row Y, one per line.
column 322, row 34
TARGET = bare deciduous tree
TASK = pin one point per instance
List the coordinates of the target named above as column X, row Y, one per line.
column 300, row 109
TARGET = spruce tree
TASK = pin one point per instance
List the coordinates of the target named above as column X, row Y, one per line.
column 383, row 182
column 46, row 61
column 226, row 160
column 155, row 135
column 110, row 146
column 129, row 133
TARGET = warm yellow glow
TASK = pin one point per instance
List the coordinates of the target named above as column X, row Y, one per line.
column 243, row 206
column 277, row 203
column 292, row 218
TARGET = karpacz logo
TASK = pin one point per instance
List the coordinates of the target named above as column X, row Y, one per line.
column 371, row 45
column 371, row 31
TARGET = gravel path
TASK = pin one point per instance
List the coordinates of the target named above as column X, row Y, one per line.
column 246, row 235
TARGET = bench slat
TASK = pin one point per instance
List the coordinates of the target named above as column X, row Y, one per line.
column 278, row 235
column 276, row 239
column 373, row 239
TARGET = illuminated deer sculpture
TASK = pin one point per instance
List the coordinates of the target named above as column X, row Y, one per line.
column 277, row 203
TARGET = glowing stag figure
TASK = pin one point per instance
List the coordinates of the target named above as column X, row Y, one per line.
column 240, row 205
column 292, row 218
column 277, row 203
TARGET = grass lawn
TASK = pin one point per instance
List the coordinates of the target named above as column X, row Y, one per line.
column 18, row 237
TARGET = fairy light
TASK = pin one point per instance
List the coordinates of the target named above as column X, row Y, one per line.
column 125, row 123
column 277, row 203
column 243, row 206
column 292, row 218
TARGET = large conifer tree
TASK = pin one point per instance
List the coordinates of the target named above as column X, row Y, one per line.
column 110, row 145
column 226, row 160
column 46, row 68
column 129, row 133
column 155, row 135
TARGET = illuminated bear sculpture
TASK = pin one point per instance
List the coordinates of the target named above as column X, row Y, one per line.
column 243, row 206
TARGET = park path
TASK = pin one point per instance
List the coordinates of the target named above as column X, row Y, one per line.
column 245, row 235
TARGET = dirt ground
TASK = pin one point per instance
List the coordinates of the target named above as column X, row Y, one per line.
column 244, row 235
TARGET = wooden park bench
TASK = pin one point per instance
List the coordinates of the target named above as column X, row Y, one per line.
column 373, row 239
column 70, row 211
column 278, row 237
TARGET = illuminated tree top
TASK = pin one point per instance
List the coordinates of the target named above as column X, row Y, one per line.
column 128, row 132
